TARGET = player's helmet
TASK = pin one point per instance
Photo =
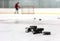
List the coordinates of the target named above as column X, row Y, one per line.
column 17, row 2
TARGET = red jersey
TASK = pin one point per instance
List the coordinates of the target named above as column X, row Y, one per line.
column 16, row 5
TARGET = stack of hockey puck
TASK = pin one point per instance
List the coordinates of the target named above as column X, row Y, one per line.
column 36, row 30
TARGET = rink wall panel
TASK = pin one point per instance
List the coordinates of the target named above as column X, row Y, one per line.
column 36, row 10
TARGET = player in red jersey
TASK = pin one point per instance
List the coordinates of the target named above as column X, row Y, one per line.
column 17, row 7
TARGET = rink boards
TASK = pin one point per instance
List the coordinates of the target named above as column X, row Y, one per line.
column 31, row 11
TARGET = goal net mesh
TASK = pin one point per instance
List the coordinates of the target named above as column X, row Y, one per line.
column 27, row 10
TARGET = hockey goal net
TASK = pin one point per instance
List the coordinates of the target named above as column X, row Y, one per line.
column 27, row 10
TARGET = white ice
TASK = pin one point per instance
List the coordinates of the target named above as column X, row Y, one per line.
column 12, row 27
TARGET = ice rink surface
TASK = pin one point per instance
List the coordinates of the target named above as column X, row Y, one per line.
column 12, row 27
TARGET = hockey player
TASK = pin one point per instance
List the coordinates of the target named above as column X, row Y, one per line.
column 17, row 7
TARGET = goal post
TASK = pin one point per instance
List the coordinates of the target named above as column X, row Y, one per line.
column 27, row 10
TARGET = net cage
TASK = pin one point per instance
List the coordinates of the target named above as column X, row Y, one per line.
column 27, row 10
